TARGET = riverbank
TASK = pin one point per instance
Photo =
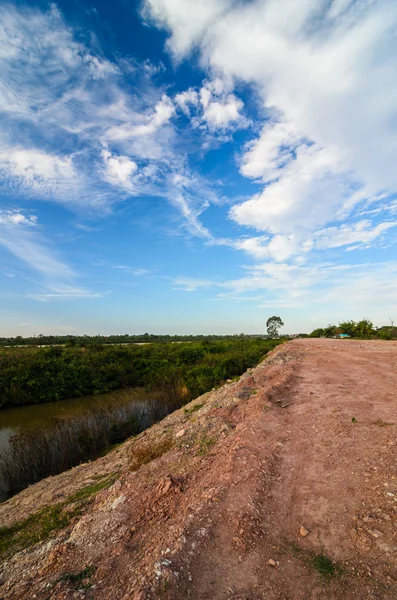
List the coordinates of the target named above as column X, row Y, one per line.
column 40, row 440
column 281, row 484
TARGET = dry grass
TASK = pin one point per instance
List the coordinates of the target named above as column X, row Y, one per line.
column 148, row 451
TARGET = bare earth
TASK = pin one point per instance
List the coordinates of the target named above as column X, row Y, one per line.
column 306, row 440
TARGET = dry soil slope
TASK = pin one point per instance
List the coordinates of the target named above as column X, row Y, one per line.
column 307, row 439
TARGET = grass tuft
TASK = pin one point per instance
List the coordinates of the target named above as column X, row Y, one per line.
column 205, row 443
column 325, row 566
column 381, row 423
column 188, row 411
column 320, row 562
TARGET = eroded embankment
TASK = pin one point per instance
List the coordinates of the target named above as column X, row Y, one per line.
column 210, row 502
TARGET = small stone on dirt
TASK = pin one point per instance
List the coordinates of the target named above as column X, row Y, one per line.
column 271, row 562
column 303, row 531
column 180, row 433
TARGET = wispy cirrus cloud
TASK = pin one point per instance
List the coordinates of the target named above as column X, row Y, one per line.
column 76, row 130
column 19, row 236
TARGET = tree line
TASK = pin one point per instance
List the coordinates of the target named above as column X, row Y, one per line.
column 363, row 329
column 85, row 340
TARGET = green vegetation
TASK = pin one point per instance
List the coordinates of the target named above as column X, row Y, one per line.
column 35, row 528
column 325, row 566
column 35, row 375
column 39, row 526
column 193, row 409
column 363, row 330
column 205, row 443
column 320, row 562
column 77, row 579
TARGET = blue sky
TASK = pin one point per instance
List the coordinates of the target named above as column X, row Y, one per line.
column 176, row 166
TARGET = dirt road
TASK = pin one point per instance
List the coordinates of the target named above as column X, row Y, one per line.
column 281, row 486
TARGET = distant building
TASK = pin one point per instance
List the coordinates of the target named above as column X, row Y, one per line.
column 343, row 335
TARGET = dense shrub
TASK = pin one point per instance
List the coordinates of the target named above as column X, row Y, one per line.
column 35, row 375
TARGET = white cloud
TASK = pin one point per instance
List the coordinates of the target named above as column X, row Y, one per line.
column 361, row 232
column 118, row 170
column 34, row 167
column 191, row 284
column 163, row 111
column 279, row 248
column 296, row 245
column 213, row 107
column 58, row 91
column 16, row 217
column 187, row 21
column 186, row 99
column 137, row 271
column 327, row 77
column 265, row 157
column 308, row 192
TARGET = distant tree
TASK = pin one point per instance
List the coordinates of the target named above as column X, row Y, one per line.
column 330, row 331
column 273, row 324
column 365, row 328
column 319, row 332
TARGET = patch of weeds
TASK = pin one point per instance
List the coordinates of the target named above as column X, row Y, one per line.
column 381, row 423
column 188, row 411
column 325, row 566
column 150, row 451
column 76, row 579
column 90, row 490
column 205, row 443
column 36, row 528
column 354, row 420
column 320, row 562
column 39, row 526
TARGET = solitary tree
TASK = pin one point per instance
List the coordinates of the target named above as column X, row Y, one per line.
column 273, row 324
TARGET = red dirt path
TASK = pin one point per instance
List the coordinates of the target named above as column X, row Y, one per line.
column 243, row 476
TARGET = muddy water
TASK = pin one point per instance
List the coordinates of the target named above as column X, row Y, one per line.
column 42, row 421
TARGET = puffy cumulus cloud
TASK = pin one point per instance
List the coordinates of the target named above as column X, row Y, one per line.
column 265, row 157
column 308, row 192
column 163, row 111
column 34, row 166
column 278, row 248
column 213, row 107
column 118, row 170
column 327, row 70
column 187, row 21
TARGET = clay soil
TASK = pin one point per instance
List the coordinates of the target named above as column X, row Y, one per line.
column 279, row 486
